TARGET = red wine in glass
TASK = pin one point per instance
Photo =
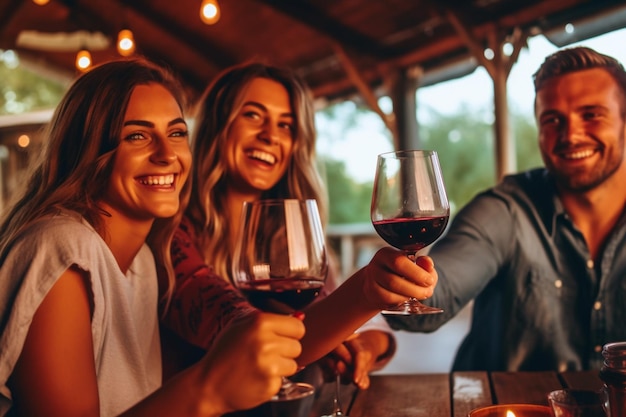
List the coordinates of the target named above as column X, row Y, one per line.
column 280, row 263
column 411, row 234
column 410, row 209
column 281, row 295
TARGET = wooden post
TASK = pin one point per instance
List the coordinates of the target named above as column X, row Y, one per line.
column 403, row 95
column 366, row 92
column 499, row 69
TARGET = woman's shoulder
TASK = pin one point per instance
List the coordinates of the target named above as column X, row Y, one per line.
column 60, row 238
column 63, row 228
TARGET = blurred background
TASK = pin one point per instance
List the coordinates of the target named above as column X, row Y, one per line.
column 384, row 75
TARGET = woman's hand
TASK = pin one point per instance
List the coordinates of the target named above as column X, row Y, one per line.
column 245, row 365
column 391, row 278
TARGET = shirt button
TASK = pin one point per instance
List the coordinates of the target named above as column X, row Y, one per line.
column 598, row 348
column 590, row 263
column 558, row 283
column 597, row 305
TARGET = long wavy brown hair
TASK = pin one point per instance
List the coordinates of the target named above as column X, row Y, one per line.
column 216, row 111
column 78, row 155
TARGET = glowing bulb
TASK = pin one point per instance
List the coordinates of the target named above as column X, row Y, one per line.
column 41, row 2
column 23, row 141
column 83, row 60
column 210, row 12
column 510, row 413
column 125, row 42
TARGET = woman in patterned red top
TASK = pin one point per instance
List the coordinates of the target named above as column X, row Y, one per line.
column 255, row 139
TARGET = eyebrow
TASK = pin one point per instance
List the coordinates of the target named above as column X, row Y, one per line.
column 262, row 107
column 145, row 123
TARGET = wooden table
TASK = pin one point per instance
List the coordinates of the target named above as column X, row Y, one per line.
column 450, row 395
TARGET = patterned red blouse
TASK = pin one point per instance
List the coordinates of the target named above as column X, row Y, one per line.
column 203, row 303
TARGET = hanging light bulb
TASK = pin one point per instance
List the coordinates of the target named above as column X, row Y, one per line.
column 125, row 42
column 210, row 11
column 83, row 60
column 41, row 2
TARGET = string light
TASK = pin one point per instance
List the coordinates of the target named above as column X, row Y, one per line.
column 23, row 141
column 83, row 60
column 125, row 42
column 210, row 11
column 41, row 2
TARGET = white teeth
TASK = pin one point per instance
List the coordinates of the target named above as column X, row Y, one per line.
column 579, row 154
column 158, row 180
column 263, row 156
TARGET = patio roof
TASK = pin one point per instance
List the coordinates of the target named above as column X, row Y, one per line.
column 334, row 44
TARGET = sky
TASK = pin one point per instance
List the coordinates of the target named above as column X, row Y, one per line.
column 475, row 90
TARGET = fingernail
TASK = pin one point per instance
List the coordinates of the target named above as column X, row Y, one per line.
column 299, row 315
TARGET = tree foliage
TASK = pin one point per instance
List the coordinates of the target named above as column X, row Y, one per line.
column 22, row 90
column 349, row 200
column 464, row 142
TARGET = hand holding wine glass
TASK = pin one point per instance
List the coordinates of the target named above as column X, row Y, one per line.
column 410, row 209
column 280, row 263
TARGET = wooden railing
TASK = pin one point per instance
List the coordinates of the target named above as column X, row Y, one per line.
column 354, row 245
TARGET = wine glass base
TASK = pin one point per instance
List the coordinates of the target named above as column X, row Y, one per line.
column 409, row 308
column 298, row 403
column 293, row 391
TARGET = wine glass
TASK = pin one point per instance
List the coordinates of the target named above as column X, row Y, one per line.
column 337, row 412
column 280, row 263
column 410, row 209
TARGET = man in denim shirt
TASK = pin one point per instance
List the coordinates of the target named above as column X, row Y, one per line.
column 543, row 253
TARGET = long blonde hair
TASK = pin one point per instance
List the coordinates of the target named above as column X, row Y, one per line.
column 217, row 109
column 80, row 145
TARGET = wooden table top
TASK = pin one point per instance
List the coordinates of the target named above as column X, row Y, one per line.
column 449, row 395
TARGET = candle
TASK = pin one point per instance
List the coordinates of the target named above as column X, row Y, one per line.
column 512, row 410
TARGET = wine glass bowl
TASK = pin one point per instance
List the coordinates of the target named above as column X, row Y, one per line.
column 280, row 262
column 410, row 208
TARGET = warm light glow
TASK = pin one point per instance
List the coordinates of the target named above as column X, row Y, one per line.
column 41, row 2
column 210, row 11
column 125, row 42
column 83, row 60
column 23, row 141
column 510, row 413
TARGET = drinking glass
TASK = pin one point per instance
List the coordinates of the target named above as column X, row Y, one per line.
column 337, row 411
column 410, row 209
column 577, row 403
column 280, row 262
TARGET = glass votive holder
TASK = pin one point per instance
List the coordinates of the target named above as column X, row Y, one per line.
column 512, row 410
column 577, row 403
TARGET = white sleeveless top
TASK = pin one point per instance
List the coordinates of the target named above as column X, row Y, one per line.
column 124, row 326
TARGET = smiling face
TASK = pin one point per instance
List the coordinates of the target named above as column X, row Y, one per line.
column 260, row 139
column 581, row 131
column 152, row 160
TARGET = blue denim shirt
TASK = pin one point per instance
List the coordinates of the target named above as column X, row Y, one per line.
column 540, row 301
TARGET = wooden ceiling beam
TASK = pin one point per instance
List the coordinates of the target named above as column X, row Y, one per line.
column 87, row 19
column 8, row 13
column 319, row 21
column 365, row 90
column 472, row 43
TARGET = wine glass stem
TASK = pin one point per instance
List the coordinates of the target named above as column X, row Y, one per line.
column 336, row 404
column 413, row 257
column 286, row 386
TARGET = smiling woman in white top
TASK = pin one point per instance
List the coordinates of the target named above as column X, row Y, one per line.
column 80, row 251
